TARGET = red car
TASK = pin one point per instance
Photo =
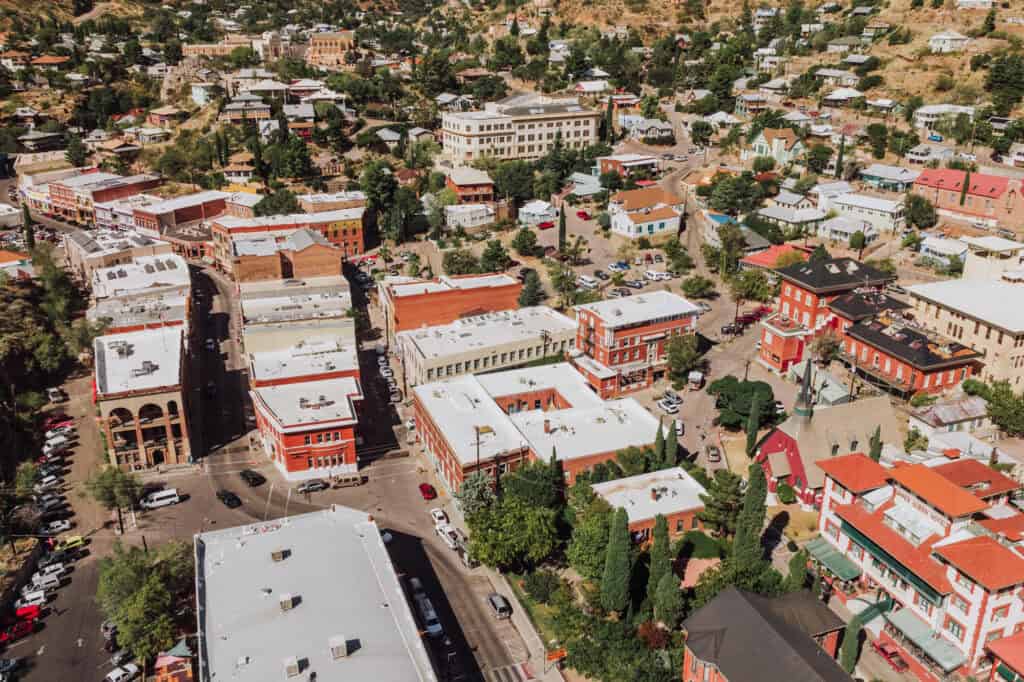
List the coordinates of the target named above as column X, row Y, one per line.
column 582, row 215
column 427, row 491
column 32, row 612
column 891, row 655
column 546, row 225
column 20, row 629
column 55, row 420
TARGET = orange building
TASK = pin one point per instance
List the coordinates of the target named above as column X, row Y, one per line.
column 329, row 49
column 410, row 303
column 303, row 254
column 471, row 186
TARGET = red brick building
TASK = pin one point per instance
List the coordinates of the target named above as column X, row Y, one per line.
column 74, row 198
column 301, row 255
column 156, row 219
column 994, row 199
column 305, row 399
column 495, row 422
column 743, row 637
column 624, row 342
column 671, row 493
column 803, row 312
column 411, row 303
column 470, row 185
column 1007, row 658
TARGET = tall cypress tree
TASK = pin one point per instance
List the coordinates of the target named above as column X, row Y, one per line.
column 615, row 580
column 661, row 563
column 839, row 157
column 609, row 122
column 753, row 422
column 27, row 225
column 746, row 546
column 963, row 190
column 850, row 649
column 561, row 230
column 668, row 601
column 671, row 447
column 659, row 447
column 875, row 451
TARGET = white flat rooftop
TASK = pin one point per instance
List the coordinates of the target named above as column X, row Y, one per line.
column 320, row 356
column 487, row 331
column 590, row 430
column 347, row 589
column 665, row 492
column 152, row 309
column 291, row 220
column 561, row 377
column 144, row 272
column 634, row 310
column 441, row 284
column 995, row 302
column 333, row 197
column 178, row 203
column 297, row 406
column 302, row 303
column 993, row 243
column 138, row 361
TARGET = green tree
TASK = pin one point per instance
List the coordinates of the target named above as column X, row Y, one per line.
column 746, row 545
column 513, row 180
column 28, row 225
column 76, row 152
column 1005, row 408
column 701, row 132
column 842, row 152
column 753, row 424
column 563, row 281
column 698, row 286
column 533, row 292
column 797, row 577
column 668, row 600
column 857, row 242
column 561, row 231
column 878, row 139
column 661, row 561
column 25, row 479
column 875, row 444
column 920, row 212
column 535, row 484
column 608, row 127
column 763, row 164
column 378, row 182
column 494, row 258
column 722, row 503
column 818, row 157
column 616, row 576
column 989, row 24
column 460, row 262
column 476, row 493
column 114, row 489
column 671, row 447
column 281, row 202
column 525, row 242
column 850, row 650
column 683, row 356
column 587, row 546
column 659, row 444
column 511, row 534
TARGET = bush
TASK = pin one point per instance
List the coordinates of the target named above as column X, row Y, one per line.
column 785, row 493
column 975, row 387
column 541, row 585
column 922, row 399
column 792, row 546
column 643, row 243
column 698, row 545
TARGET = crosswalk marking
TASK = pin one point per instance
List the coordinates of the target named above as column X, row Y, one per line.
column 508, row 673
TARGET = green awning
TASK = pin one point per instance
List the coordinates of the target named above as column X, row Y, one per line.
column 1006, row 673
column 830, row 558
column 926, row 590
column 943, row 653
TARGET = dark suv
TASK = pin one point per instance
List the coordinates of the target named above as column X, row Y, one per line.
column 252, row 478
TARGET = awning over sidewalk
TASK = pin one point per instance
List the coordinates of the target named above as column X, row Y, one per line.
column 921, row 635
column 824, row 552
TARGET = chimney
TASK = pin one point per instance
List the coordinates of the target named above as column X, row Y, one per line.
column 951, row 453
column 654, row 494
column 547, row 426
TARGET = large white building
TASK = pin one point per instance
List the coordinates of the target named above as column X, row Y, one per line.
column 885, row 215
column 484, row 343
column 519, row 127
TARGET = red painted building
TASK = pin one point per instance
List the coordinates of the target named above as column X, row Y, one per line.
column 740, row 636
column 471, row 186
column 803, row 313
column 1007, row 658
column 990, row 198
column 305, row 399
column 671, row 493
column 624, row 342
column 75, row 198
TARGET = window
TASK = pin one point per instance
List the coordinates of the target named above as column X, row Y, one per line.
column 319, row 438
column 694, row 523
column 954, row 628
column 960, row 603
column 1000, row 612
column 306, row 440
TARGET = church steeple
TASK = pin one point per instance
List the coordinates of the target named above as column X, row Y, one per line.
column 804, row 407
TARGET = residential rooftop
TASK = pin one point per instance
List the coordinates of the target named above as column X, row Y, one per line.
column 644, row 496
column 343, row 590
column 647, row 308
column 937, row 490
column 489, row 330
column 834, row 274
column 138, row 361
column 902, row 339
column 856, row 472
column 325, row 403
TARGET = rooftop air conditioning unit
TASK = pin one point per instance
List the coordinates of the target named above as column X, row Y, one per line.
column 287, row 602
column 291, row 667
column 279, row 554
column 339, row 647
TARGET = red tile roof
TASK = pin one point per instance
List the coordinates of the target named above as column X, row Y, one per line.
column 1012, row 527
column 1010, row 650
column 937, row 490
column 985, row 561
column 916, row 559
column 857, row 472
column 976, row 478
column 990, row 186
column 768, row 258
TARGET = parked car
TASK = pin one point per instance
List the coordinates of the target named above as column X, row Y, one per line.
column 656, row 276
column 618, row 293
column 22, row 628
column 602, row 275
column 124, row 673
column 311, row 486
column 56, row 395
column 447, row 535
column 619, row 266
column 252, row 478
column 891, row 655
column 31, row 598
column 546, row 225
column 108, row 629
column 712, row 453
column 229, row 499
column 634, row 283
column 63, row 430
column 395, row 397
column 935, row 137
column 671, row 396
column 55, row 527
column 427, row 491
column 386, row 372
column 499, row 606
column 439, row 517
column 582, row 215
column 731, row 329
column 670, row 408
column 523, row 272
column 120, row 656
column 57, row 419
column 9, row 665
column 69, row 543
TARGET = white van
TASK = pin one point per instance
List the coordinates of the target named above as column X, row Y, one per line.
column 655, row 276
column 47, row 582
column 586, row 282
column 58, row 444
column 161, row 498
